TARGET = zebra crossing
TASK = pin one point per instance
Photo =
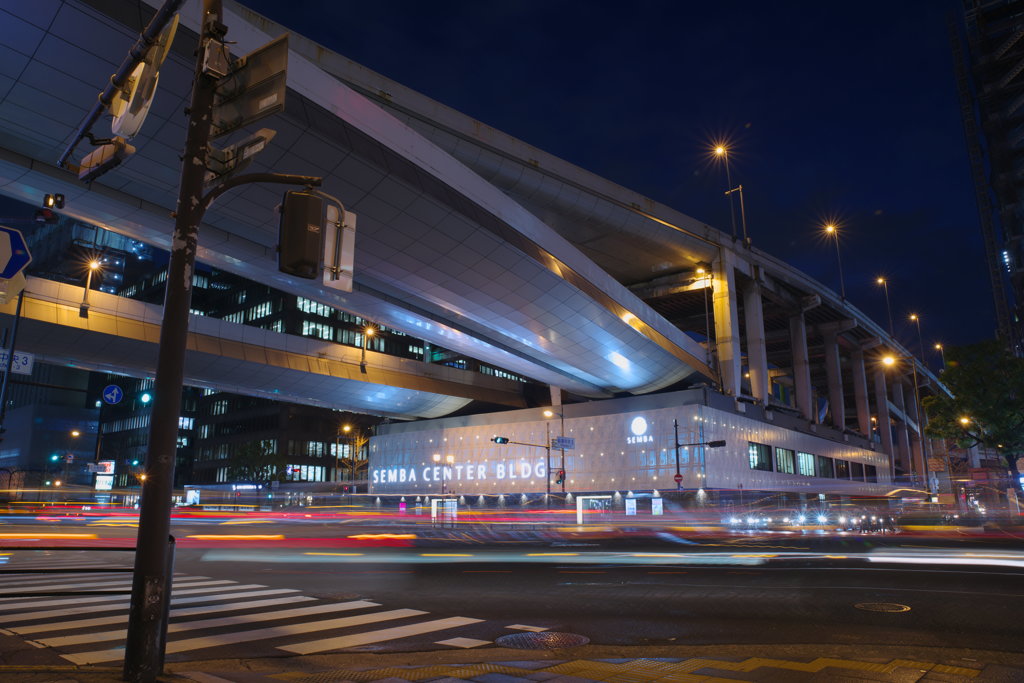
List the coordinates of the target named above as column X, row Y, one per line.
column 212, row 618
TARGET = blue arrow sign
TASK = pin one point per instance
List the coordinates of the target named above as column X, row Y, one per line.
column 13, row 246
column 112, row 394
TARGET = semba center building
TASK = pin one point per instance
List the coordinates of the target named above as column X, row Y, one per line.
column 625, row 445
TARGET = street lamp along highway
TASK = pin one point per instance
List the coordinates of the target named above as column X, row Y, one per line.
column 449, row 460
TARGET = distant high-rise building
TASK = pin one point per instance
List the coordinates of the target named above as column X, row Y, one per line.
column 990, row 78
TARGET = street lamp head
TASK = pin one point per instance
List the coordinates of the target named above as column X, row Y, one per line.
column 938, row 347
column 965, row 421
column 880, row 280
column 94, row 265
column 346, row 428
column 830, row 229
column 720, row 150
column 370, row 331
column 437, row 457
column 913, row 316
column 449, row 459
column 75, row 432
column 549, row 413
column 888, row 360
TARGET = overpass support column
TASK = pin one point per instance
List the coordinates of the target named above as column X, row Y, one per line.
column 801, row 367
column 727, row 323
column 860, row 392
column 902, row 433
column 834, row 375
column 884, row 421
column 757, row 357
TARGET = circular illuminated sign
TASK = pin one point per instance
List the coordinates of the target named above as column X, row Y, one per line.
column 638, row 426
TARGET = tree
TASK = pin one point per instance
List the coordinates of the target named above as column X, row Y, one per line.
column 256, row 462
column 987, row 403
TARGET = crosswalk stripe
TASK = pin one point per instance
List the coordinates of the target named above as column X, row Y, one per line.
column 64, row 641
column 100, row 584
column 81, row 599
column 122, row 618
column 19, row 579
column 189, row 644
column 393, row 633
column 122, row 604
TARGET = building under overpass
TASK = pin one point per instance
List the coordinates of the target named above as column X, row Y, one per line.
column 469, row 239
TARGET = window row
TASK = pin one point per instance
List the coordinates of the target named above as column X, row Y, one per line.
column 787, row 461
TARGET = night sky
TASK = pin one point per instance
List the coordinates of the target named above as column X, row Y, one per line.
column 837, row 110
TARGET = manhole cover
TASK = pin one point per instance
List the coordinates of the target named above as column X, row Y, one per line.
column 882, row 607
column 545, row 640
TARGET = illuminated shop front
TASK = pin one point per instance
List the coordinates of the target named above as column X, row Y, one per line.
column 619, row 445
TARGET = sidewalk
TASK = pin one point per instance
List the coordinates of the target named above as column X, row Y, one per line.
column 764, row 663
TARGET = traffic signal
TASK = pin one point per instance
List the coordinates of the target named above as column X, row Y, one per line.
column 500, row 439
column 561, row 477
column 300, row 235
column 54, row 458
column 45, row 216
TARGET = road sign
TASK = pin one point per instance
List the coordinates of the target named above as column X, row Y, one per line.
column 22, row 364
column 14, row 255
column 254, row 88
column 112, row 394
column 678, row 478
column 563, row 442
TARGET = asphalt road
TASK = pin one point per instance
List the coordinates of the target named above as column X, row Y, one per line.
column 873, row 590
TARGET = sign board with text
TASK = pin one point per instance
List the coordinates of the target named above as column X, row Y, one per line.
column 563, row 442
column 22, row 363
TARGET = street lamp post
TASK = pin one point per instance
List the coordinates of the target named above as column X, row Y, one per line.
column 743, row 213
column 368, row 332
column 449, row 459
column 706, row 444
column 83, row 308
column 723, row 152
column 885, row 285
column 890, row 361
column 337, row 450
column 942, row 355
column 561, row 468
column 832, row 231
column 916, row 319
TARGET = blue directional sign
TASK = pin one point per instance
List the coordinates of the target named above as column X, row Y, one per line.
column 14, row 255
column 112, row 394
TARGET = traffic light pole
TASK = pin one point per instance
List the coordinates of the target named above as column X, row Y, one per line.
column 147, row 618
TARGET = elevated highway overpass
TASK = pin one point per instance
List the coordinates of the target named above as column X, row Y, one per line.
column 468, row 238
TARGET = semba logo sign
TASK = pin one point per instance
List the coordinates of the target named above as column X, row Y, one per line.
column 638, row 429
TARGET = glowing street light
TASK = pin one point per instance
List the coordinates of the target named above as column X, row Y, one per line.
column 965, row 420
column 885, row 285
column 83, row 308
column 942, row 354
column 832, row 231
column 368, row 332
column 722, row 152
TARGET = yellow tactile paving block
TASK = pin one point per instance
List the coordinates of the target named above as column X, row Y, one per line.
column 633, row 671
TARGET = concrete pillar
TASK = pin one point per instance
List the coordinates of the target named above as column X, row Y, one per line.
column 860, row 392
column 757, row 357
column 902, row 432
column 727, row 323
column 882, row 414
column 834, row 375
column 801, row 367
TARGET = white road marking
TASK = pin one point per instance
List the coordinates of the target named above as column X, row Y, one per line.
column 81, row 638
column 524, row 627
column 357, row 639
column 123, row 618
column 102, row 585
column 85, row 599
column 189, row 644
column 463, row 642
